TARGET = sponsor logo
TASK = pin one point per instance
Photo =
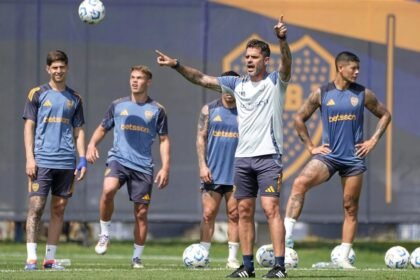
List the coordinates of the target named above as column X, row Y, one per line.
column 331, row 102
column 270, row 189
column 124, row 113
column 47, row 103
column 217, row 118
column 146, row 197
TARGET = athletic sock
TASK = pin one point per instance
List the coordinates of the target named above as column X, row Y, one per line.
column 206, row 245
column 105, row 226
column 50, row 252
column 289, row 224
column 138, row 251
column 248, row 262
column 31, row 251
column 233, row 250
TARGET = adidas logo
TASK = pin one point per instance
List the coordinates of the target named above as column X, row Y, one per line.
column 270, row 189
column 47, row 103
column 331, row 102
column 217, row 118
column 146, row 197
column 124, row 113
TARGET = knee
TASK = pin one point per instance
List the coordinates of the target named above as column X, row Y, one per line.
column 233, row 215
column 272, row 212
column 208, row 215
column 300, row 185
column 141, row 214
column 245, row 213
column 58, row 209
column 351, row 206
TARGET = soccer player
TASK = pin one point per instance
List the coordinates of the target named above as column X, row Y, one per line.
column 343, row 150
column 53, row 130
column 258, row 168
column 137, row 120
column 217, row 138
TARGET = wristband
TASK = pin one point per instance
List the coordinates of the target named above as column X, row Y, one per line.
column 82, row 163
column 176, row 64
column 282, row 37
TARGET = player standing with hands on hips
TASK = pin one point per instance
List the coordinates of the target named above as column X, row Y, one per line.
column 258, row 167
column 53, row 132
column 217, row 139
column 343, row 150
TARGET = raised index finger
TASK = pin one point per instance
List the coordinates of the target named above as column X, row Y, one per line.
column 159, row 53
column 281, row 19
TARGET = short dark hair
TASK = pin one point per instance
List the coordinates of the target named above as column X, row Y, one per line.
column 230, row 73
column 263, row 46
column 345, row 56
column 144, row 69
column 57, row 55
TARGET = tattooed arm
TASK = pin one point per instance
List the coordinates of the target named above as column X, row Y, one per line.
column 380, row 111
column 286, row 56
column 308, row 107
column 189, row 73
column 202, row 134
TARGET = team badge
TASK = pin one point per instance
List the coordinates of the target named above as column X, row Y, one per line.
column 148, row 115
column 69, row 104
column 313, row 66
column 124, row 113
column 354, row 101
column 35, row 187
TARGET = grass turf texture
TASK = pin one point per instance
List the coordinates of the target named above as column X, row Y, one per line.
column 162, row 260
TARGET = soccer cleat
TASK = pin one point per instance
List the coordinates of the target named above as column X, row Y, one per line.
column 344, row 264
column 233, row 263
column 51, row 264
column 136, row 263
column 102, row 245
column 289, row 243
column 242, row 272
column 276, row 272
column 30, row 265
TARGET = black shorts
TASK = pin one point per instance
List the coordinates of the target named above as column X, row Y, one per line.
column 344, row 169
column 60, row 181
column 261, row 174
column 139, row 185
column 221, row 189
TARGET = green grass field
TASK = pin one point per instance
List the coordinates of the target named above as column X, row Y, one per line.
column 162, row 260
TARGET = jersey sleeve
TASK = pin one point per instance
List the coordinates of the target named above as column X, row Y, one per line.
column 31, row 105
column 228, row 83
column 162, row 122
column 78, row 118
column 108, row 121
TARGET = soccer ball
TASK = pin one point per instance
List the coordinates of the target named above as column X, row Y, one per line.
column 336, row 255
column 92, row 11
column 195, row 256
column 415, row 258
column 265, row 255
column 291, row 258
column 397, row 257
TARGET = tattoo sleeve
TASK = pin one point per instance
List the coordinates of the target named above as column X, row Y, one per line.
column 286, row 61
column 309, row 106
column 202, row 134
column 35, row 210
column 198, row 78
column 380, row 111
